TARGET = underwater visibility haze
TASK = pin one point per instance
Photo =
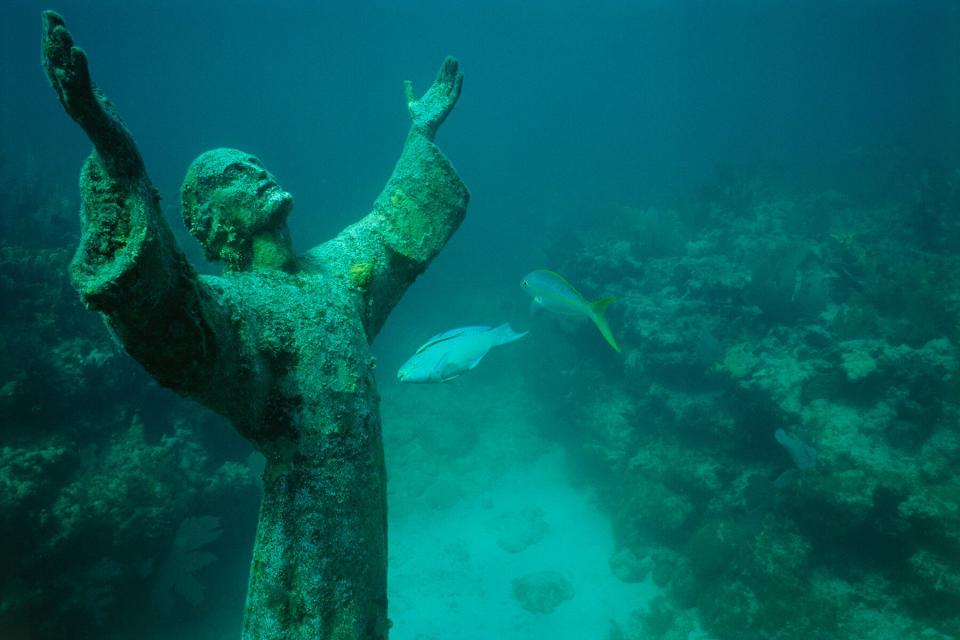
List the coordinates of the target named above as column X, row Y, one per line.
column 691, row 269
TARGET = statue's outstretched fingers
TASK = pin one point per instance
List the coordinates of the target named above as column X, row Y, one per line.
column 51, row 20
column 447, row 71
column 65, row 65
column 457, row 86
column 449, row 78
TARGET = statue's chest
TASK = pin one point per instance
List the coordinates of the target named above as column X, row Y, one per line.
column 305, row 329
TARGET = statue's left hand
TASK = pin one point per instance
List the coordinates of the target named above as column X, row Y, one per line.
column 431, row 109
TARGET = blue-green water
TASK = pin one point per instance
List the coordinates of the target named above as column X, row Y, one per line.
column 770, row 190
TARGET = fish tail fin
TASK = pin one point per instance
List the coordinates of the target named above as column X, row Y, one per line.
column 598, row 310
column 505, row 334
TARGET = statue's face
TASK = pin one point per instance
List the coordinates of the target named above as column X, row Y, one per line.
column 251, row 196
column 228, row 198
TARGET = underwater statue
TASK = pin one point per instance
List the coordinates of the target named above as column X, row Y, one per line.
column 279, row 343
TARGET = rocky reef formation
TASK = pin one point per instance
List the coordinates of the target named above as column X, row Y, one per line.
column 750, row 310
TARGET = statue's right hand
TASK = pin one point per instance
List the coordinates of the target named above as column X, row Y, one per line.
column 66, row 68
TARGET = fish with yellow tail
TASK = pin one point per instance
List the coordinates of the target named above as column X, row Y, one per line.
column 552, row 292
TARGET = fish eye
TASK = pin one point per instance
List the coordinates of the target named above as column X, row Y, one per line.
column 523, row 284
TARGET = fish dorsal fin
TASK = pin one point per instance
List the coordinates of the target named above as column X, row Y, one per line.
column 451, row 334
column 600, row 306
column 572, row 290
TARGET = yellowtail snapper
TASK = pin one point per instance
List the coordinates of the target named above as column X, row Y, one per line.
column 552, row 292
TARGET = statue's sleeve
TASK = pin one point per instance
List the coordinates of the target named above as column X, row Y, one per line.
column 421, row 206
column 129, row 268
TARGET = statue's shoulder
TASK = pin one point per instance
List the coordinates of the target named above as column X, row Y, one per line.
column 218, row 283
column 226, row 289
column 313, row 262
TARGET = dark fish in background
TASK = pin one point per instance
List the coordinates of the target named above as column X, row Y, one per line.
column 803, row 455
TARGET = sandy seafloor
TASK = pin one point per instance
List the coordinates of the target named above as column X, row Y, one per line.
column 463, row 458
column 450, row 578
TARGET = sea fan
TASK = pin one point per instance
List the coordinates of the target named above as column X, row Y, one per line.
column 176, row 574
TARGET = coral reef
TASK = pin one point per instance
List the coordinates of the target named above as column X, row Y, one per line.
column 756, row 312
column 99, row 468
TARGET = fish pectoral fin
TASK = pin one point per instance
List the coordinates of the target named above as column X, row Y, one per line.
column 449, row 368
column 453, row 373
column 475, row 362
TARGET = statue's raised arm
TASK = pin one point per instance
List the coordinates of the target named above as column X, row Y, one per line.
column 421, row 206
column 66, row 69
column 128, row 266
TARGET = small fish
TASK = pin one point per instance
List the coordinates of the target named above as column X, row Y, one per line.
column 452, row 353
column 552, row 292
column 802, row 454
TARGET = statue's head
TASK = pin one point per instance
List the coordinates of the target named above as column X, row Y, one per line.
column 228, row 200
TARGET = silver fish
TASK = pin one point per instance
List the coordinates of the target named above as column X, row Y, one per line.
column 452, row 353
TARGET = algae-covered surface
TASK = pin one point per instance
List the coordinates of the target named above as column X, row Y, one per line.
column 771, row 194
